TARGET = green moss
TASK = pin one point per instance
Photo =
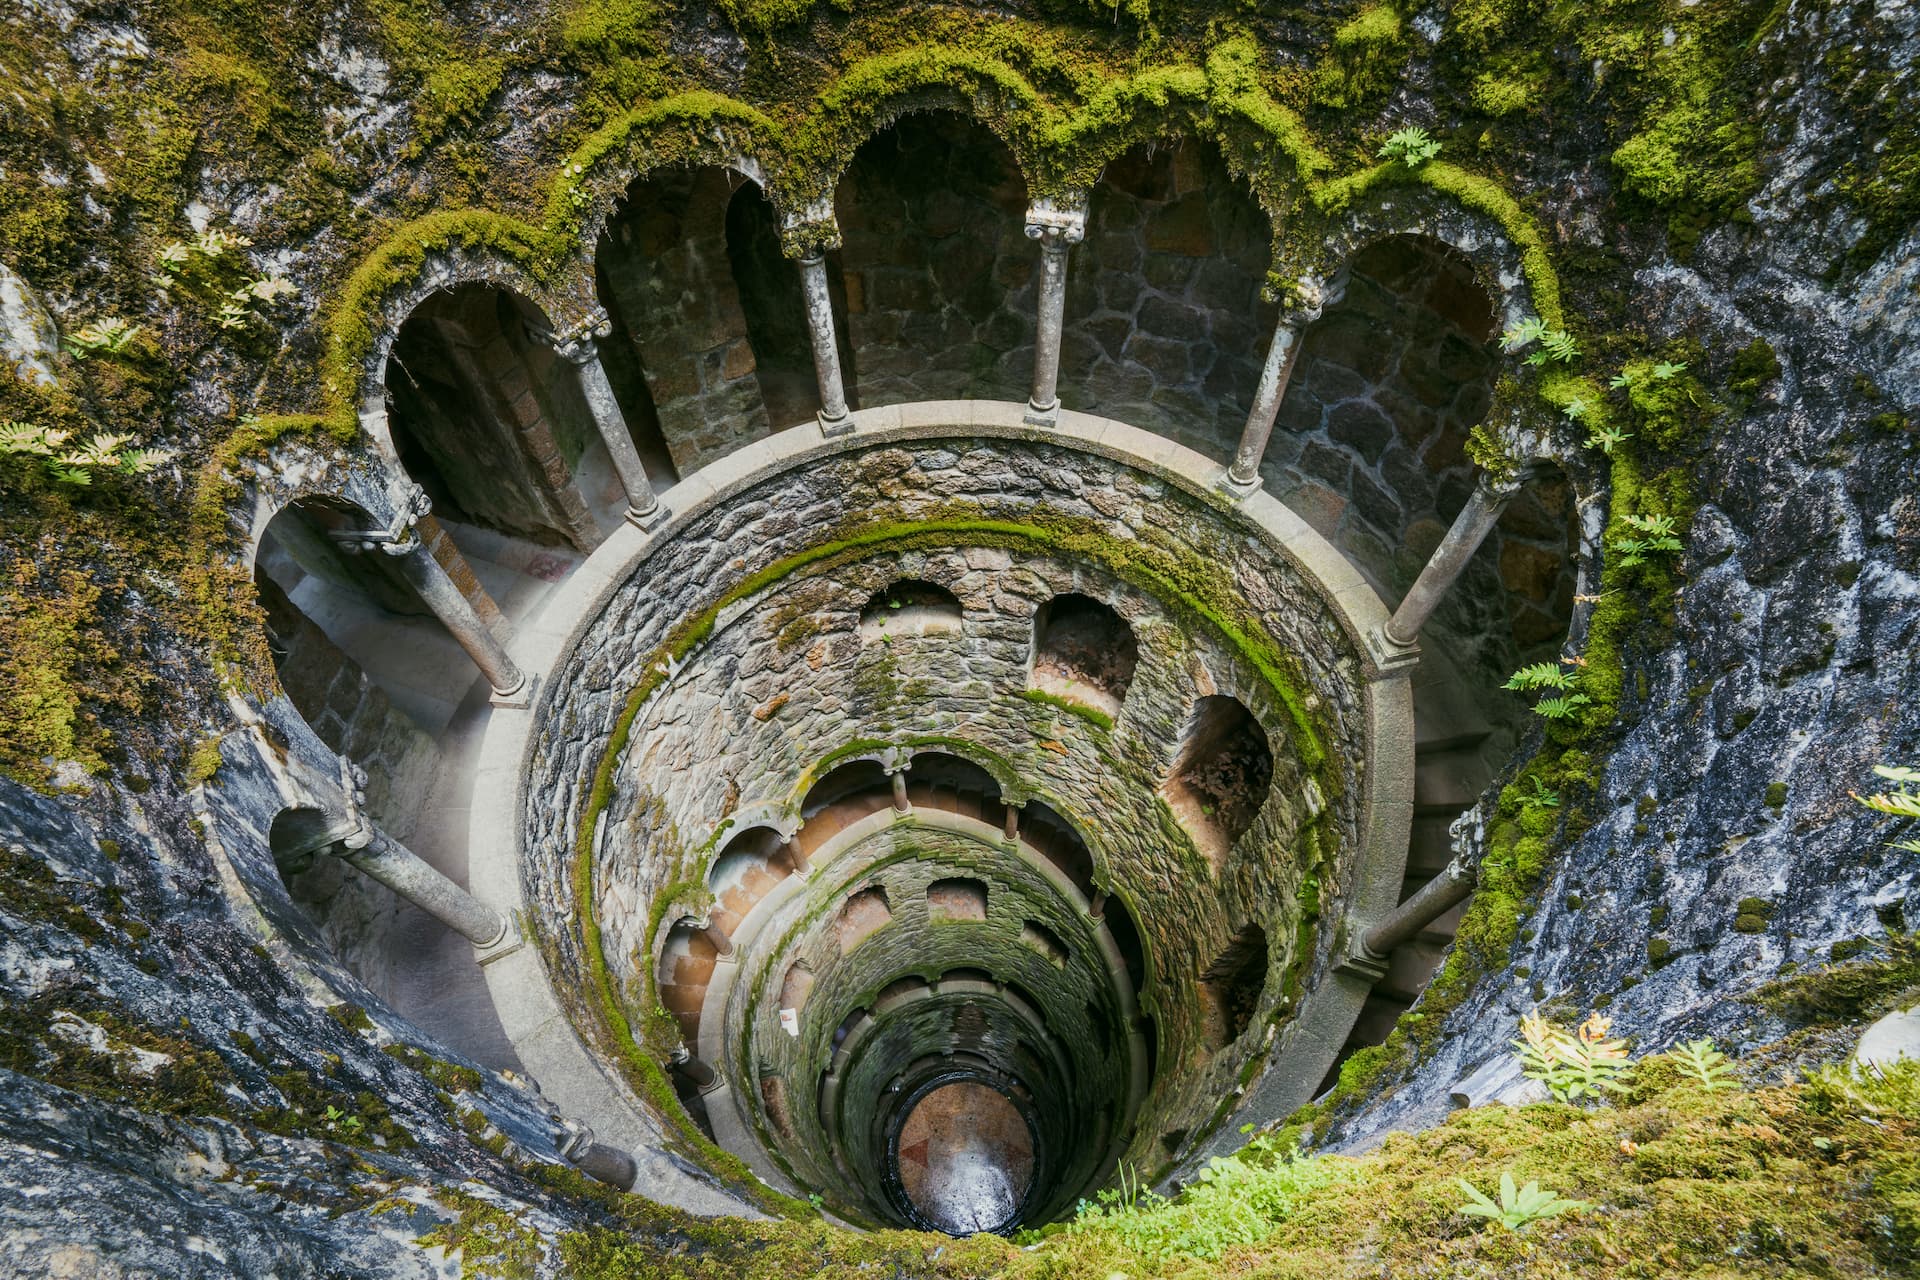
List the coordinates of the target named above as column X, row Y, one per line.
column 1368, row 50
column 204, row 762
column 1776, row 795
column 1659, row 951
column 1848, row 990
column 1092, row 715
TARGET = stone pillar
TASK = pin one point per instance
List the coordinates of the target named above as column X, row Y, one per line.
column 579, row 346
column 372, row 852
column 826, row 352
column 1450, row 558
column 596, row 1159
column 1244, row 474
column 1097, row 908
column 385, row 859
column 796, row 857
column 1011, row 830
column 699, row 1074
column 1435, row 898
column 1058, row 226
column 718, row 937
column 899, row 780
column 438, row 592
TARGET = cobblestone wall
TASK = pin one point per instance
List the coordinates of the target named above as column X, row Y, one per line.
column 937, row 267
column 1165, row 328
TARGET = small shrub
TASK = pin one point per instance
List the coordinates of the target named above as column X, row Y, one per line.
column 1411, row 147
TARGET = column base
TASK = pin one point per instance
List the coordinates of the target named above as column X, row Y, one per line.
column 517, row 698
column 650, row 519
column 1362, row 963
column 1390, row 654
column 1042, row 415
column 832, row 427
column 1237, row 487
column 509, row 941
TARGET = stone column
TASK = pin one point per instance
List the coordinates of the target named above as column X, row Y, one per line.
column 579, row 346
column 717, row 936
column 1097, row 907
column 1010, row 832
column 1435, row 898
column 401, row 870
column 372, row 852
column 1450, row 558
column 596, row 1159
column 1284, row 350
column 437, row 591
column 899, row 780
column 1058, row 226
column 826, row 352
column 796, row 857
column 683, row 1062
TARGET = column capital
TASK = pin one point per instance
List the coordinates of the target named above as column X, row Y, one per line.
column 809, row 231
column 1057, row 222
column 578, row 343
column 399, row 538
column 1499, row 489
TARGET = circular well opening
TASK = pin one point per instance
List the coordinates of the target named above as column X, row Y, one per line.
column 965, row 1158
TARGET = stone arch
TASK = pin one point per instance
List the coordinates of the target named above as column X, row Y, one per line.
column 1220, row 776
column 489, row 419
column 936, row 266
column 1231, row 988
column 1388, row 210
column 1390, row 380
column 699, row 130
column 685, row 967
column 1166, row 325
column 1083, row 650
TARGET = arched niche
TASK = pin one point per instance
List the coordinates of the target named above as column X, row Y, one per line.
column 861, row 916
column 490, row 421
column 957, row 899
column 1221, row 775
column 937, row 268
column 683, row 356
column 907, row 609
column 845, row 781
column 1042, row 827
column 747, row 868
column 1231, row 987
column 1084, row 651
column 1165, row 325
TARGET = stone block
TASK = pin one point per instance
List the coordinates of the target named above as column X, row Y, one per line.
column 1361, row 426
column 1184, row 227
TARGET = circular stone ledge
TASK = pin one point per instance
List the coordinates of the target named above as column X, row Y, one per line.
column 530, row 1011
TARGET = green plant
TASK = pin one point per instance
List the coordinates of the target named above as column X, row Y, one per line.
column 1901, row 802
column 1556, row 345
column 1542, row 795
column 1583, row 1063
column 1656, row 537
column 1411, row 147
column 1236, row 1200
column 1705, row 1065
column 75, row 466
column 109, row 336
column 1518, row 1207
column 344, row 1121
column 1548, row 675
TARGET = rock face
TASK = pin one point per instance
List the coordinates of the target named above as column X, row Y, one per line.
column 192, row 1079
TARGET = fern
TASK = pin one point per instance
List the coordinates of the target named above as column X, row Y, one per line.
column 1540, row 675
column 1411, row 147
column 1708, row 1067
column 1585, row 1062
column 1658, row 539
column 1902, row 802
column 1523, row 334
column 1562, row 707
